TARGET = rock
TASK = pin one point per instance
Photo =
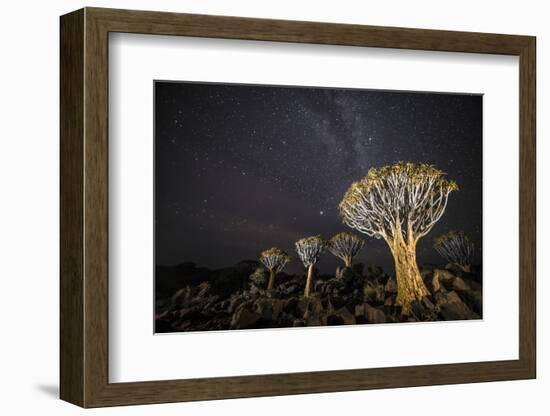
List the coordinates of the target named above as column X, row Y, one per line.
column 442, row 280
column 374, row 315
column 380, row 294
column 460, row 285
column 244, row 319
column 202, row 290
column 181, row 297
column 269, row 309
column 234, row 303
column 229, row 298
column 346, row 316
column 337, row 301
column 427, row 275
column 318, row 286
column 374, row 293
column 474, row 285
column 162, row 325
column 391, row 285
column 315, row 321
column 341, row 316
column 457, row 270
column 370, row 314
column 285, row 320
column 452, row 307
column 301, row 307
column 289, row 306
column 474, row 300
column 311, row 310
column 334, row 320
column 427, row 303
column 424, row 311
column 390, row 300
column 344, row 273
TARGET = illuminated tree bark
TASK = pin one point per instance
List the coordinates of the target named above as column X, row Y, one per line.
column 399, row 203
column 274, row 260
column 308, row 281
column 410, row 286
column 309, row 249
column 345, row 246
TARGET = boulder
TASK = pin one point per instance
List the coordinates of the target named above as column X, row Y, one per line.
column 474, row 300
column 234, row 302
column 390, row 300
column 244, row 319
column 391, row 285
column 451, row 307
column 290, row 305
column 460, row 285
column 442, row 280
column 337, row 301
column 202, row 290
column 346, row 316
column 370, row 314
column 268, row 309
column 181, row 297
column 424, row 311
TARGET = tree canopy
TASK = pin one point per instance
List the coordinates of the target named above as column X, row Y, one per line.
column 309, row 249
column 406, row 198
column 274, row 259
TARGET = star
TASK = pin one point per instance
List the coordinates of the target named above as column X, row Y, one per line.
column 286, row 156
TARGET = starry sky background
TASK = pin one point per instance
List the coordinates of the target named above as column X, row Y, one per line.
column 241, row 168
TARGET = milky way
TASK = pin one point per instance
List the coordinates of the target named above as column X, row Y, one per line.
column 243, row 168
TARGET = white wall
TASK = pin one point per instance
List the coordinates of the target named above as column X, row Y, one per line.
column 29, row 208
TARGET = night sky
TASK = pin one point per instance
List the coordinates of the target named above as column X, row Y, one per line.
column 240, row 168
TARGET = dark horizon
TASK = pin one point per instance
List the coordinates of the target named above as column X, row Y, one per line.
column 241, row 168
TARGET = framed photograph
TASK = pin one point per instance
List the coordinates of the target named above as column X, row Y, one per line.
column 261, row 207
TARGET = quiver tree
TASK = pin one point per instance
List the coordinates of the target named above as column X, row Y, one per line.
column 309, row 249
column 456, row 248
column 274, row 260
column 399, row 203
column 345, row 246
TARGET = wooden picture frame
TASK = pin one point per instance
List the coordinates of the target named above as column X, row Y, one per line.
column 84, row 207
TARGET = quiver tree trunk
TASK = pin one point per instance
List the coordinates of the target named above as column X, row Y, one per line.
column 271, row 280
column 347, row 261
column 309, row 281
column 410, row 286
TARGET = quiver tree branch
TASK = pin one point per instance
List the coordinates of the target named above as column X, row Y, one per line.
column 274, row 260
column 345, row 246
column 456, row 248
column 399, row 203
column 309, row 249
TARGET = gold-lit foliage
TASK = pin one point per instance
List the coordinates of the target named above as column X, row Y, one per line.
column 274, row 259
column 345, row 246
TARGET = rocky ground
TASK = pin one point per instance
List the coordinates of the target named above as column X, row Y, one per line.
column 197, row 299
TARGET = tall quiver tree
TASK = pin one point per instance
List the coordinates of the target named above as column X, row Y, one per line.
column 456, row 248
column 345, row 246
column 274, row 260
column 309, row 249
column 399, row 203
